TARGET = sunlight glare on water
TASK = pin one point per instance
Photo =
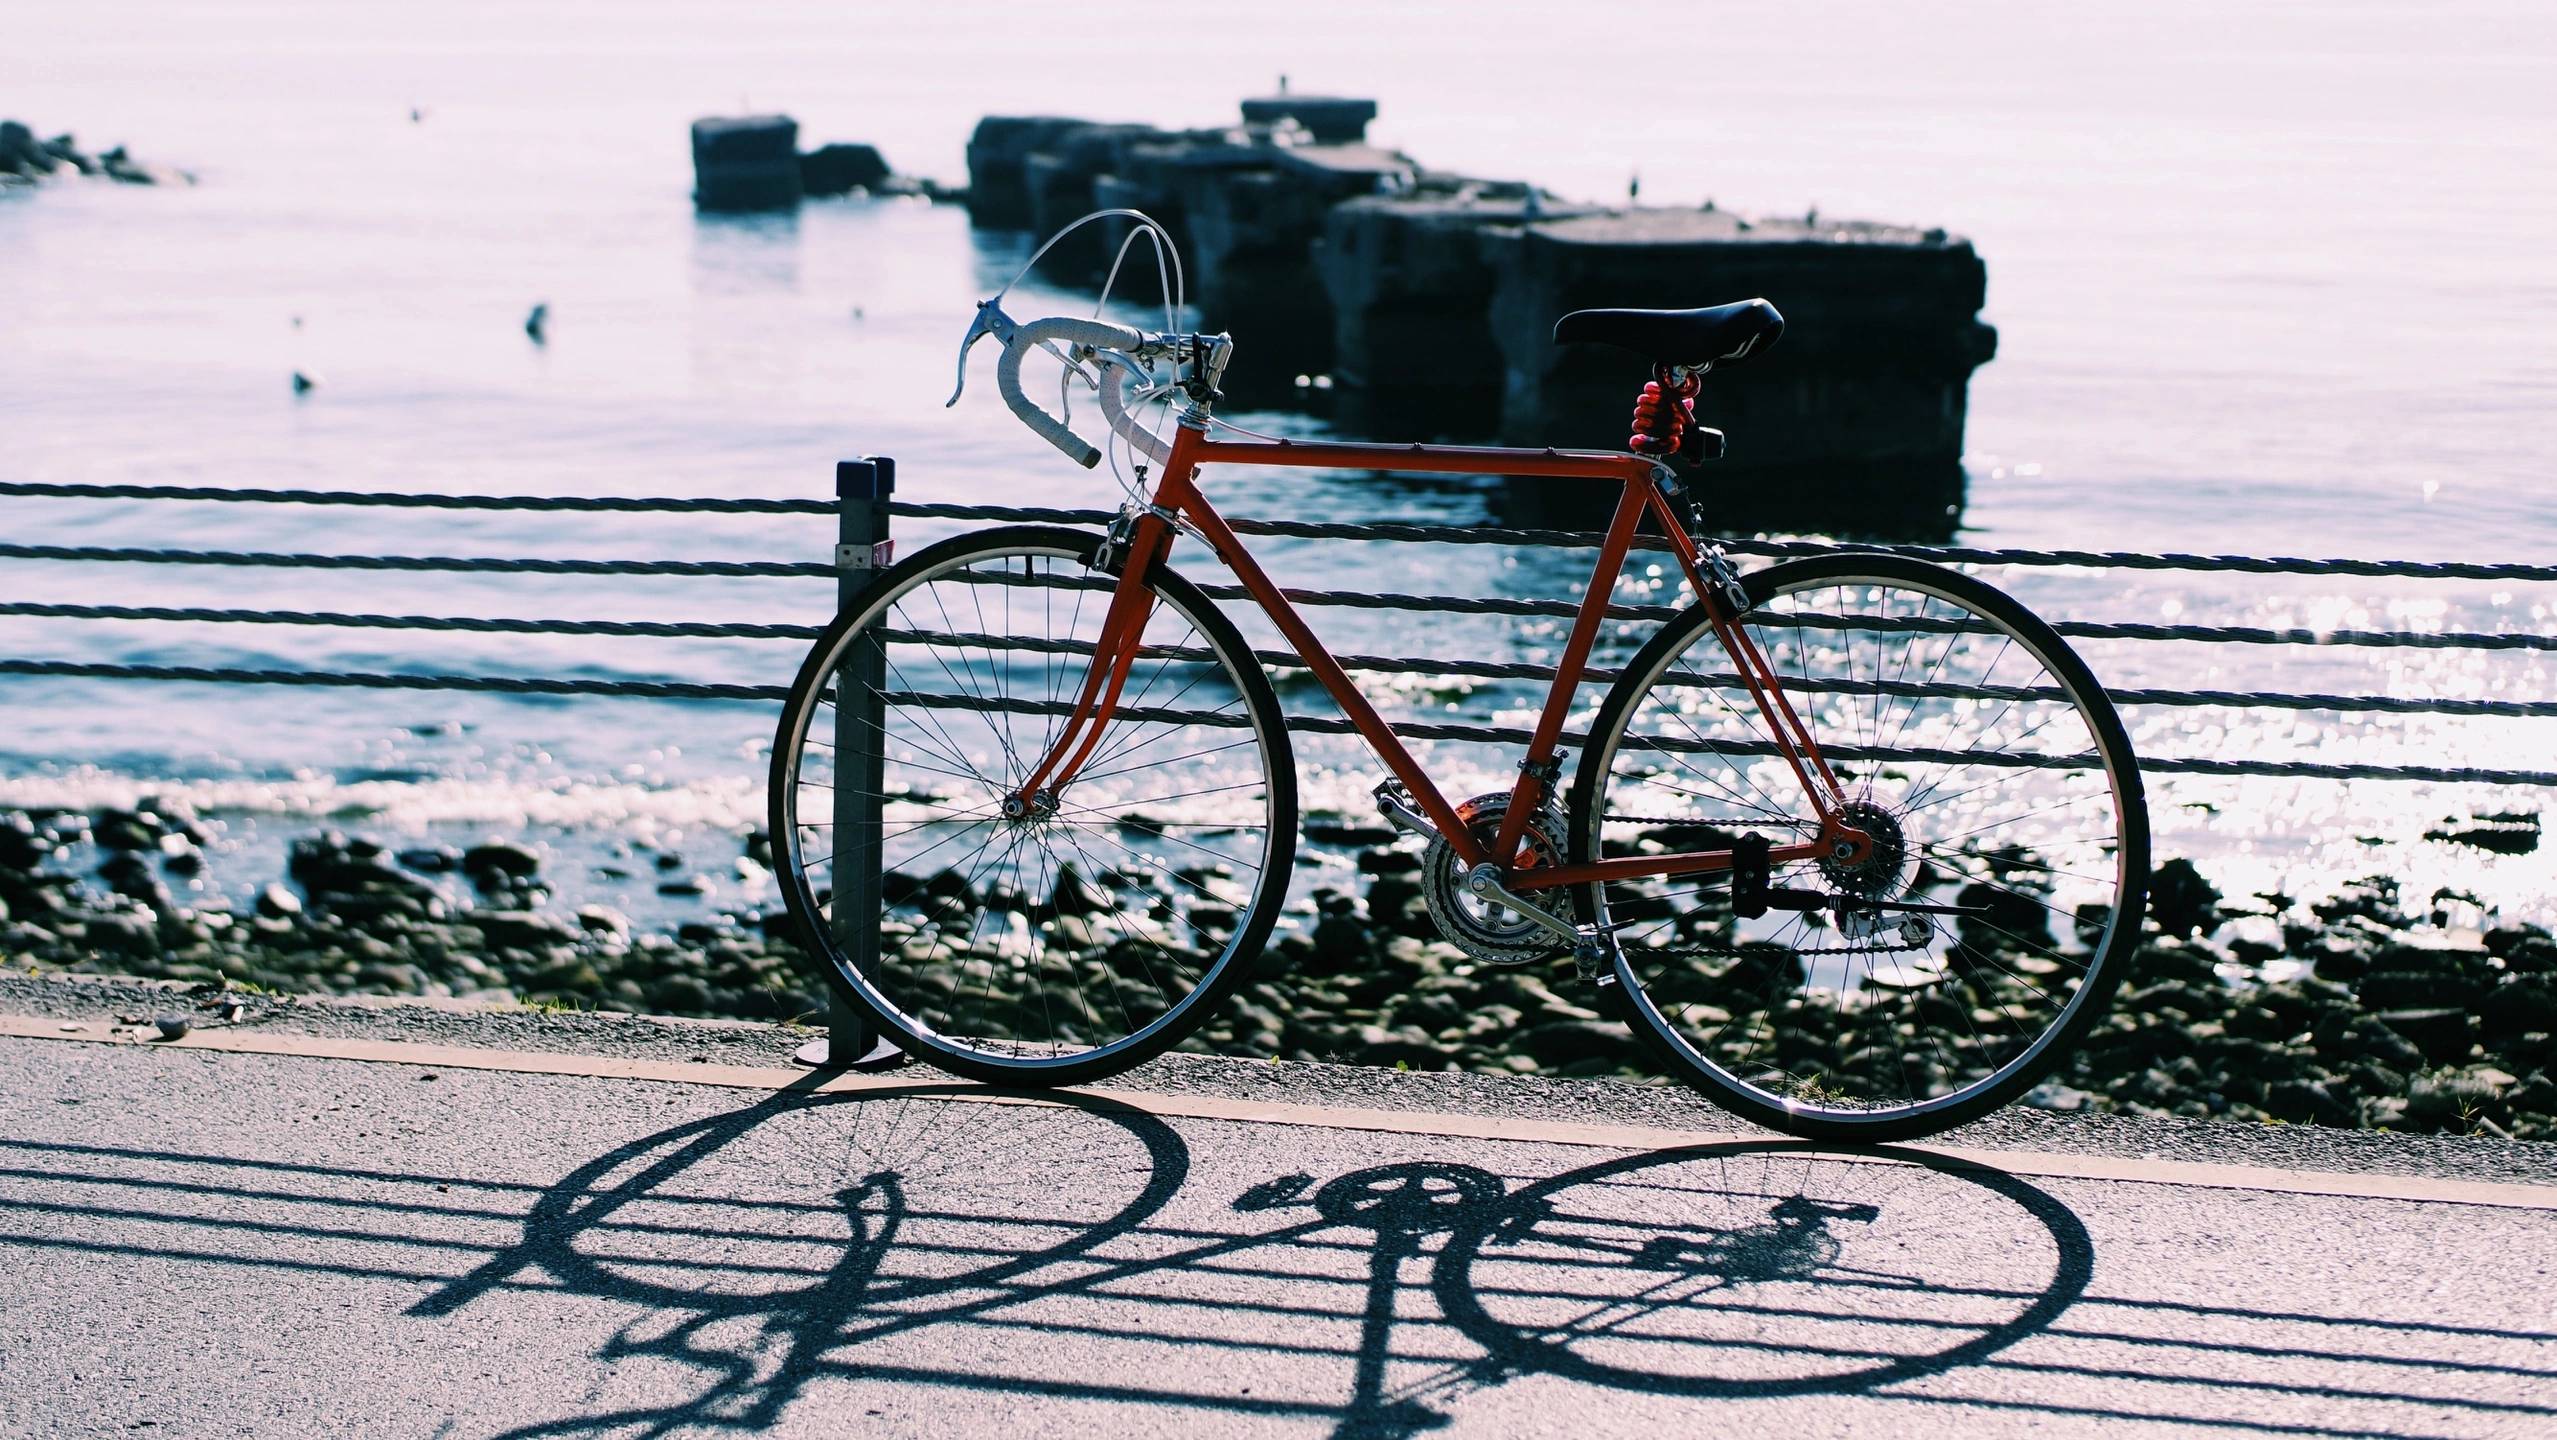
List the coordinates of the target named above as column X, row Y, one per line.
column 2266, row 281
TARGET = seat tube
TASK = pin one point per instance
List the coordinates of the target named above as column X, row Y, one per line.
column 1532, row 786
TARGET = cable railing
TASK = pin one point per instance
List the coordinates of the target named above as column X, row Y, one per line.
column 1281, row 659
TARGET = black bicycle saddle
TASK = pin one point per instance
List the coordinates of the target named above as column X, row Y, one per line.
column 1714, row 335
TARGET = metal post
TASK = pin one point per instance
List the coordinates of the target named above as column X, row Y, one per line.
column 862, row 551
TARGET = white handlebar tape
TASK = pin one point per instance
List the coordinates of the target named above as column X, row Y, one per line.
column 1099, row 334
column 1114, row 407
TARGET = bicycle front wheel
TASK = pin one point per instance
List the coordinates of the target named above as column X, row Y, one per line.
column 1999, row 788
column 1048, row 949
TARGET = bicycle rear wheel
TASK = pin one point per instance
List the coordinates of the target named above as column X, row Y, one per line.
column 1049, row 949
column 1995, row 778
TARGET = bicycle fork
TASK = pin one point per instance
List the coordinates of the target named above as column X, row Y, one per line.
column 1114, row 653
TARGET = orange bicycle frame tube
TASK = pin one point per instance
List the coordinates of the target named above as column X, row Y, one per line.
column 1177, row 497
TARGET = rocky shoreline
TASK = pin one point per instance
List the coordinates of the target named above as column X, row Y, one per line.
column 2361, row 1016
column 26, row 161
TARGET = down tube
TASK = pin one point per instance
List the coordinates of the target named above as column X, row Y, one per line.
column 1309, row 648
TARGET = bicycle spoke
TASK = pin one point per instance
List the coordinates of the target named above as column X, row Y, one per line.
column 1016, row 947
column 1867, row 1017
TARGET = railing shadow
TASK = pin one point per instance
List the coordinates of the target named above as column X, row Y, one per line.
column 758, row 1254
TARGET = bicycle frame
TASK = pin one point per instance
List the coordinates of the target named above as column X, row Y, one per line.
column 1177, row 497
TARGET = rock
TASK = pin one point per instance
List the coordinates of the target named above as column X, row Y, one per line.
column 2366, row 1038
column 180, row 855
column 21, row 155
column 22, row 845
column 1341, row 832
column 173, row 818
column 125, row 830
column 500, row 858
column 1074, row 895
column 522, row 929
column 122, row 167
column 432, row 859
column 746, row 163
column 63, row 149
column 2442, row 1035
column 2384, row 990
column 172, row 1026
column 603, row 920
column 1564, row 1042
column 2181, row 901
column 2518, row 1006
column 2509, row 833
column 2454, row 1105
column 842, row 169
column 2536, row 1095
column 1343, row 944
column 1388, row 862
column 2309, row 1102
column 2372, row 897
column 277, row 903
column 118, row 932
column 129, row 875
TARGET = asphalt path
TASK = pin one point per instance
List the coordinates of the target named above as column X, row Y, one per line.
column 205, row 1242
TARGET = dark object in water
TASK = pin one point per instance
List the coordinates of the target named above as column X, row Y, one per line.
column 746, row 163
column 842, row 169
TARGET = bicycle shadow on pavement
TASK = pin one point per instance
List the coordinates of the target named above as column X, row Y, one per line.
column 807, row 1257
column 799, row 1239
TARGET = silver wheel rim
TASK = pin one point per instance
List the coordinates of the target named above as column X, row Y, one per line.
column 1936, row 605
column 1087, row 840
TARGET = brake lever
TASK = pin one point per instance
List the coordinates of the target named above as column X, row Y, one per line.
column 990, row 321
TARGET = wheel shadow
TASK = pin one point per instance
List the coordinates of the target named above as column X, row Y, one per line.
column 965, row 1250
column 1745, row 1269
column 769, row 1246
column 763, row 1240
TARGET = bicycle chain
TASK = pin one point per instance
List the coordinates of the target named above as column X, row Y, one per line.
column 1742, row 950
column 1734, row 949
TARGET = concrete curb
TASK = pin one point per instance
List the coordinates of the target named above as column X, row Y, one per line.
column 1221, row 1108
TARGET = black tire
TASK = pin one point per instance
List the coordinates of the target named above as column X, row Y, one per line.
column 937, row 1020
column 1878, row 1019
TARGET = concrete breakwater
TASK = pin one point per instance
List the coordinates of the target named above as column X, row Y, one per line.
column 2359, row 1014
column 1423, row 301
column 753, row 162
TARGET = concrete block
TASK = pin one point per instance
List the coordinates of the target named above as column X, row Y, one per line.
column 1327, row 119
column 998, row 194
column 1853, row 423
column 842, row 169
column 746, row 163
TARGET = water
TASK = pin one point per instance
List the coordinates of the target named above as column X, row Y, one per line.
column 2266, row 279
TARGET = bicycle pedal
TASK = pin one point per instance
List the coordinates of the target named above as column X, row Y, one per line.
column 1594, row 957
column 1395, row 803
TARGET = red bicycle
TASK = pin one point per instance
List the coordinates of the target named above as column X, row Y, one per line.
column 1855, row 842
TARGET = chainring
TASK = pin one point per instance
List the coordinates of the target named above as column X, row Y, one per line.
column 1486, row 929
